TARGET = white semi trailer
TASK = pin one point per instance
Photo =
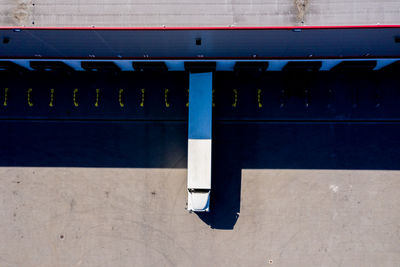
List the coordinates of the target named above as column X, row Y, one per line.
column 199, row 142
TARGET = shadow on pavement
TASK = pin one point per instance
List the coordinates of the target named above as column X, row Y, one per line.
column 237, row 146
column 237, row 142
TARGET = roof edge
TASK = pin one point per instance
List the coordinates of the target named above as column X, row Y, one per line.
column 205, row 28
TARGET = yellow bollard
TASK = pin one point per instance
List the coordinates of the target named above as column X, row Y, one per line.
column 30, row 103
column 213, row 104
column 121, row 104
column 235, row 97
column 5, row 97
column 97, row 97
column 187, row 103
column 259, row 98
column 76, row 97
column 166, row 98
column 142, row 102
column 51, row 97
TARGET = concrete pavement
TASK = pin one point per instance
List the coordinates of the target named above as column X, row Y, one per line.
column 137, row 217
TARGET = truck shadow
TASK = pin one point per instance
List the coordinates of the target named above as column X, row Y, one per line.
column 236, row 146
column 295, row 142
column 341, row 146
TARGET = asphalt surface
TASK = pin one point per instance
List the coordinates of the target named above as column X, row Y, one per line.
column 293, row 184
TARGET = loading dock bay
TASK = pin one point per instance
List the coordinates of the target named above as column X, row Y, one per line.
column 301, row 175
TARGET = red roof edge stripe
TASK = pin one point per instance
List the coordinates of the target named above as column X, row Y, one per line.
column 205, row 28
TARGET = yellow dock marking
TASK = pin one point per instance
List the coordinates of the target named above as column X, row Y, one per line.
column 235, row 95
column 121, row 104
column 142, row 102
column 76, row 97
column 51, row 97
column 5, row 97
column 259, row 98
column 97, row 97
column 30, row 103
column 166, row 98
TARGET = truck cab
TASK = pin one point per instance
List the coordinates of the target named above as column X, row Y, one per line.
column 199, row 200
